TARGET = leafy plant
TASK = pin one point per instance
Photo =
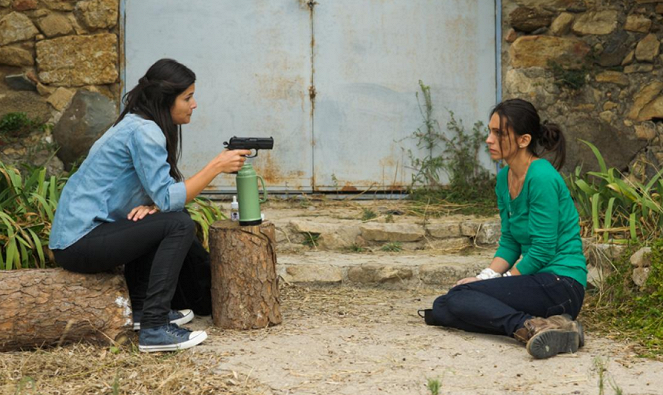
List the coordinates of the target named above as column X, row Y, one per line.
column 367, row 214
column 14, row 124
column 204, row 213
column 615, row 207
column 311, row 239
column 433, row 386
column 356, row 248
column 469, row 181
column 573, row 79
column 27, row 206
column 392, row 247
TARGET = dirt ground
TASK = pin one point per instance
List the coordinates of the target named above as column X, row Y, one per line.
column 371, row 341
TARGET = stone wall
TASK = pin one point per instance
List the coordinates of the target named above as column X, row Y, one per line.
column 59, row 62
column 609, row 51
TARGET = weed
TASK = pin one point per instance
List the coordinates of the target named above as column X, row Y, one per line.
column 572, row 79
column 389, row 218
column 392, row 247
column 356, row 248
column 367, row 214
column 434, row 386
column 311, row 239
column 469, row 181
column 604, row 376
column 15, row 124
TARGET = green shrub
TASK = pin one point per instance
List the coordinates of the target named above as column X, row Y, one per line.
column 27, row 207
column 15, row 124
column 617, row 208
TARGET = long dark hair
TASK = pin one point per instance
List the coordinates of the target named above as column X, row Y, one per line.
column 521, row 116
column 153, row 98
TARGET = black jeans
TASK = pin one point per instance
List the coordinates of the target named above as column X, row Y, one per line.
column 502, row 305
column 152, row 249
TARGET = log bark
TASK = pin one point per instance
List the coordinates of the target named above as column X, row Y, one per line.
column 47, row 307
column 245, row 292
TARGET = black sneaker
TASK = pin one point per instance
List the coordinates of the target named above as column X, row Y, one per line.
column 168, row 337
column 177, row 317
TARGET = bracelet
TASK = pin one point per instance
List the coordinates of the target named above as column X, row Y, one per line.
column 507, row 274
column 487, row 274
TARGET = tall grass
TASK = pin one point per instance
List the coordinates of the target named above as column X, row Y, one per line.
column 615, row 208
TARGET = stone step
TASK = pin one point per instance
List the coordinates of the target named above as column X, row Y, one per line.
column 384, row 270
column 322, row 233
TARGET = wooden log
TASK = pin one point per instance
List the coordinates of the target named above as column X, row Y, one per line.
column 245, row 292
column 47, row 307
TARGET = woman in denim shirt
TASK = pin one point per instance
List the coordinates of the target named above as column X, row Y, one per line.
column 534, row 299
column 124, row 206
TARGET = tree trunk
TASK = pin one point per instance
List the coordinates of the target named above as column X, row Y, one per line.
column 245, row 292
column 46, row 307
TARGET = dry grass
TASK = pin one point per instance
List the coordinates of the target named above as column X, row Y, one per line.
column 86, row 369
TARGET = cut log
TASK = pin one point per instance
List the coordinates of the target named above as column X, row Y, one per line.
column 47, row 307
column 245, row 292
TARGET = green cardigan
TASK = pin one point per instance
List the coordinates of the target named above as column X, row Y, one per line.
column 541, row 224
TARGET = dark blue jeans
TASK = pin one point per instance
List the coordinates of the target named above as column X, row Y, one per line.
column 500, row 306
column 152, row 249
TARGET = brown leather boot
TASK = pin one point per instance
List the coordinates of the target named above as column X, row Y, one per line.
column 546, row 337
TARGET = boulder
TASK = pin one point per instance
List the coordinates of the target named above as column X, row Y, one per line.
column 88, row 116
column 538, row 51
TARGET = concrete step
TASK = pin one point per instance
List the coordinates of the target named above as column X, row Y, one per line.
column 380, row 269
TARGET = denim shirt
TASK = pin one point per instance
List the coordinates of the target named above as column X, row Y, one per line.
column 124, row 169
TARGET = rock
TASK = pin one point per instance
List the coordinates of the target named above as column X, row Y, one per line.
column 603, row 135
column 98, row 14
column 610, row 106
column 613, row 77
column 453, row 244
column 78, row 60
column 562, row 24
column 61, row 98
column 16, row 27
column 640, row 276
column 637, row 23
column 538, row 51
column 616, row 47
column 88, row 116
column 608, row 116
column 645, row 131
column 373, row 273
column 638, row 68
column 60, row 5
column 44, row 90
column 444, row 230
column 5, row 3
column 391, row 232
column 339, row 235
column 15, row 56
column 526, row 19
column 644, row 97
column 55, row 25
column 629, row 58
column 511, row 36
column 659, row 8
column 595, row 23
column 653, row 110
column 25, row 5
column 489, row 233
column 446, row 275
column 313, row 273
column 470, row 228
column 647, row 49
column 641, row 258
column 556, row 5
column 22, row 101
column 20, row 82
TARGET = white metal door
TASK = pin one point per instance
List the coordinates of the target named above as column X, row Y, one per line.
column 333, row 81
column 252, row 61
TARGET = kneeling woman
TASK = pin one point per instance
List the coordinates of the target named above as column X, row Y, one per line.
column 536, row 299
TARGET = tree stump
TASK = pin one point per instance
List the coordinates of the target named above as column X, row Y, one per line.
column 245, row 293
column 47, row 307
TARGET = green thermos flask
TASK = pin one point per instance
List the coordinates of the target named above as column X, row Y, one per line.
column 248, row 196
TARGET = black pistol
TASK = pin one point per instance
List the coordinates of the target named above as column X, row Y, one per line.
column 252, row 143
